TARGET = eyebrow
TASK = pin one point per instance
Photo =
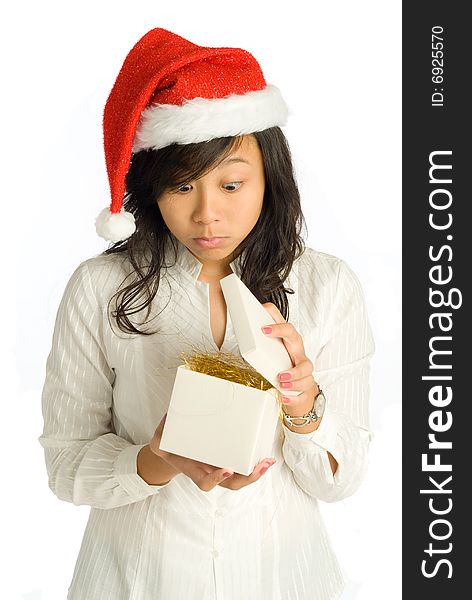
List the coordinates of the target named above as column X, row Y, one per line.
column 234, row 159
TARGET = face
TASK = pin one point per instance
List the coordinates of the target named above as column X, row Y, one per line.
column 225, row 203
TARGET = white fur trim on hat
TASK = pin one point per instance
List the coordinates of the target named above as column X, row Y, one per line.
column 202, row 119
column 115, row 227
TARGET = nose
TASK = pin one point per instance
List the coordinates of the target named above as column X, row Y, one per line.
column 207, row 207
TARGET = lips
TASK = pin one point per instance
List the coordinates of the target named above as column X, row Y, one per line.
column 209, row 242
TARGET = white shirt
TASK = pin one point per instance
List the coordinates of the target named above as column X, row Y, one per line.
column 104, row 394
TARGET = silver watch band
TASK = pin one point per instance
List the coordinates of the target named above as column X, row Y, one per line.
column 310, row 417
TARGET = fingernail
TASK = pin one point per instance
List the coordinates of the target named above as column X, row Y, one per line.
column 285, row 376
column 286, row 400
column 267, row 329
column 263, row 470
column 227, row 474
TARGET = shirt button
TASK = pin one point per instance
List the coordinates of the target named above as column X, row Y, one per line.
column 214, row 553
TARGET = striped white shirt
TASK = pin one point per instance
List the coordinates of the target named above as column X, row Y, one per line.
column 105, row 393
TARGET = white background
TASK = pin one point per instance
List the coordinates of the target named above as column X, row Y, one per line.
column 338, row 67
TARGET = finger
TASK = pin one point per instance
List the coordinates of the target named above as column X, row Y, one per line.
column 303, row 369
column 191, row 467
column 291, row 339
column 300, row 385
column 283, row 330
column 263, row 465
column 301, row 399
column 208, row 481
column 260, row 469
column 238, row 481
column 274, row 312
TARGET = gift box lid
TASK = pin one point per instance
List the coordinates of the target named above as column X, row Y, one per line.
column 266, row 354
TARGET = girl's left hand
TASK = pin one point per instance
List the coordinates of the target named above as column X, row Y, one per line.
column 301, row 374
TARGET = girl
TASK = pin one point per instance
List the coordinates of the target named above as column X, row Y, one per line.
column 202, row 185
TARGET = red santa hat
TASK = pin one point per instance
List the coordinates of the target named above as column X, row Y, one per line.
column 171, row 91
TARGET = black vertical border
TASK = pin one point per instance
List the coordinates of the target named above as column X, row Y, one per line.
column 426, row 129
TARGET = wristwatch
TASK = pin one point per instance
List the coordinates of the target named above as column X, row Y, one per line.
column 314, row 415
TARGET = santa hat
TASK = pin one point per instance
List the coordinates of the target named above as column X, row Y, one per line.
column 171, row 91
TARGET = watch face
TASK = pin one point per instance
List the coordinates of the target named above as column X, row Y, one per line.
column 320, row 404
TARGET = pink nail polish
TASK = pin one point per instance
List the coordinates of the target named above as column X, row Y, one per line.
column 263, row 470
column 227, row 474
column 267, row 329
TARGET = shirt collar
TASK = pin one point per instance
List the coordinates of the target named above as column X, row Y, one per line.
column 193, row 266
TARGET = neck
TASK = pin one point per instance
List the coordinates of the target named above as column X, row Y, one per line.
column 214, row 270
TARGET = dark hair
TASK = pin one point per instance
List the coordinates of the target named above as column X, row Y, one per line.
column 270, row 248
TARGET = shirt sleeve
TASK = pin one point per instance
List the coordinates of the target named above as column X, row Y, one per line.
column 341, row 368
column 87, row 463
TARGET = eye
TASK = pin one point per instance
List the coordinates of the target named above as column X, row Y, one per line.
column 183, row 187
column 235, row 185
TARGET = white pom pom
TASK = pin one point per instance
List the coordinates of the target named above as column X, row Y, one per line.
column 115, row 227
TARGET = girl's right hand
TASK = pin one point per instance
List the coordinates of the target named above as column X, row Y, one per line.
column 205, row 476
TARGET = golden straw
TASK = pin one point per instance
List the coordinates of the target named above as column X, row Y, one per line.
column 228, row 366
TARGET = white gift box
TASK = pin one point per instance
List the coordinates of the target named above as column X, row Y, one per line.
column 220, row 422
